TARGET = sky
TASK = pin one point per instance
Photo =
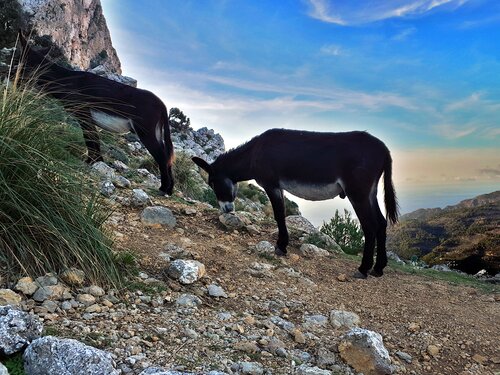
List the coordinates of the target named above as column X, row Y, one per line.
column 421, row 75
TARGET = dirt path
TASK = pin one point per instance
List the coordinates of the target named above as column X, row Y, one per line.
column 446, row 329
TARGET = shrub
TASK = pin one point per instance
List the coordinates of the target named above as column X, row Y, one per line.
column 50, row 218
column 345, row 231
column 186, row 178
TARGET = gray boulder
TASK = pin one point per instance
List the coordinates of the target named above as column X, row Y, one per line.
column 158, row 215
column 50, row 355
column 17, row 329
column 365, row 352
column 139, row 198
column 231, row 221
column 103, row 170
column 301, row 224
column 186, row 271
column 3, row 370
column 310, row 251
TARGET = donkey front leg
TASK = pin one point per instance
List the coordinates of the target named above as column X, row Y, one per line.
column 91, row 137
column 278, row 202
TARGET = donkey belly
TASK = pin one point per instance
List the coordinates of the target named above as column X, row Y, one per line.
column 312, row 192
column 111, row 123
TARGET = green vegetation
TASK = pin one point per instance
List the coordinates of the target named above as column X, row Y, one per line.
column 345, row 231
column 318, row 239
column 187, row 180
column 14, row 364
column 50, row 218
column 252, row 192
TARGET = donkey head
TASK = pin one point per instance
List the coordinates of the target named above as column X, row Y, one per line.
column 30, row 57
column 224, row 188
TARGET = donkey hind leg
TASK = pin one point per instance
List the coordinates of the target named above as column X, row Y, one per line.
column 158, row 151
column 366, row 215
column 381, row 262
column 91, row 137
column 278, row 202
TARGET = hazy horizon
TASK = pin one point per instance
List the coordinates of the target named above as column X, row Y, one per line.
column 420, row 75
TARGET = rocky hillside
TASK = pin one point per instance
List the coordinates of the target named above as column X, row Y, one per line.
column 465, row 236
column 78, row 28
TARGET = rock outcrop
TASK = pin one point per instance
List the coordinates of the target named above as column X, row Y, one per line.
column 78, row 27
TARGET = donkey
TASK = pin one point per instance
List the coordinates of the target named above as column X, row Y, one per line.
column 314, row 166
column 113, row 106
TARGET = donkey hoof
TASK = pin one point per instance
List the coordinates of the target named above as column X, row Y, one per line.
column 376, row 273
column 279, row 252
column 359, row 275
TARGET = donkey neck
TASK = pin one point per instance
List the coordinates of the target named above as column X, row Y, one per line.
column 237, row 163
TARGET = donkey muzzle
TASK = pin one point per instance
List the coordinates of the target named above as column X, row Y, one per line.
column 226, row 207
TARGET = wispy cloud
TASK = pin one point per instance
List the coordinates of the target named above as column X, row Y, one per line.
column 332, row 50
column 366, row 11
column 453, row 132
column 404, row 34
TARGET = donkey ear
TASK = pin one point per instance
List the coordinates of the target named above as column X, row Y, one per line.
column 202, row 164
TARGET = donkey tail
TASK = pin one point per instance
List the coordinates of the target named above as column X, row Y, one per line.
column 166, row 137
column 391, row 202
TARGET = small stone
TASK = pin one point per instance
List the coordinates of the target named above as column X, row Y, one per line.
column 265, row 247
column 188, row 300
column 95, row 308
column 107, row 188
column 433, row 350
column 47, row 280
column 158, row 215
column 8, row 297
column 95, row 290
column 247, row 347
column 186, row 271
column 190, row 211
column 216, row 291
column 414, row 327
column 251, row 368
column 299, row 337
column 26, row 286
column 310, row 251
column 139, row 198
column 73, row 277
column 404, row 356
column 86, row 299
column 3, row 370
column 306, row 369
column 342, row 277
column 340, row 318
column 479, row 359
column 326, row 358
column 122, row 182
column 231, row 221
column 51, row 306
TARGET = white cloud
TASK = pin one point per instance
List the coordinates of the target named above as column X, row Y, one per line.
column 366, row 11
column 332, row 50
column 404, row 34
column 453, row 132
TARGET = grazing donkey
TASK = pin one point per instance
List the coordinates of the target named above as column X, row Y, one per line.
column 110, row 105
column 313, row 166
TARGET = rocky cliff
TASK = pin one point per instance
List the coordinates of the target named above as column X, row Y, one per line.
column 78, row 27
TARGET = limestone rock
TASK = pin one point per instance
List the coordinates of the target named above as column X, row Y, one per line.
column 188, row 300
column 53, row 292
column 158, row 215
column 251, row 368
column 104, row 171
column 3, row 370
column 107, row 188
column 300, row 224
column 231, row 221
column 139, row 198
column 78, row 28
column 365, row 352
column 347, row 319
column 17, row 329
column 310, row 251
column 216, row 291
column 73, row 277
column 186, row 271
column 306, row 369
column 26, row 286
column 265, row 247
column 8, row 297
column 51, row 355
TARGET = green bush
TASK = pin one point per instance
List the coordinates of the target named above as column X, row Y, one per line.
column 50, row 216
column 14, row 364
column 252, row 192
column 345, row 231
column 186, row 178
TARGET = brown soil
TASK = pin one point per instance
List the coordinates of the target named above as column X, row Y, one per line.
column 410, row 311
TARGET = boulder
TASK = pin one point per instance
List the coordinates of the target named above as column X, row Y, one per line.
column 309, row 250
column 301, row 224
column 186, row 271
column 26, row 286
column 17, row 329
column 8, row 297
column 51, row 355
column 264, row 247
column 73, row 277
column 139, row 198
column 365, row 352
column 231, row 221
column 158, row 215
column 216, row 291
column 107, row 188
column 102, row 170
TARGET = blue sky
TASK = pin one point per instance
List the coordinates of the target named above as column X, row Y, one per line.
column 422, row 75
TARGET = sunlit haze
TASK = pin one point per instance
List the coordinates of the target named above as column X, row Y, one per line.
column 422, row 75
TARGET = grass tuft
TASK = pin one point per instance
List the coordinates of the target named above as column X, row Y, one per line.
column 50, row 217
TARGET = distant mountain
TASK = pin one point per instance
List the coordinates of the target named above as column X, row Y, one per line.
column 465, row 236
